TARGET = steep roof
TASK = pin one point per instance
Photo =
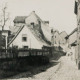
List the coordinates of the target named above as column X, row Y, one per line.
column 20, row 19
column 36, row 34
column 14, row 30
column 16, row 35
column 71, row 32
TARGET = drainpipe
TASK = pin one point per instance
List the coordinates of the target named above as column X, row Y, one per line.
column 6, row 43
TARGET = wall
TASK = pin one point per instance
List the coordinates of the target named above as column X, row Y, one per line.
column 63, row 40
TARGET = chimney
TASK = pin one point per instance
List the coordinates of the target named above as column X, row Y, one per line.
column 34, row 11
column 39, row 24
column 47, row 23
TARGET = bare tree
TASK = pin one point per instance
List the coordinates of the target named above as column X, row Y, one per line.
column 4, row 19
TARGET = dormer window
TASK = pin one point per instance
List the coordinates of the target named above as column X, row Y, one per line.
column 32, row 24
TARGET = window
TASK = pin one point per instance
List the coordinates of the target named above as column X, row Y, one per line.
column 55, row 36
column 32, row 23
column 24, row 37
column 15, row 46
column 25, row 47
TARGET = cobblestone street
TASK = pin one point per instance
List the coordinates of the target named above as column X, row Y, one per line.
column 65, row 70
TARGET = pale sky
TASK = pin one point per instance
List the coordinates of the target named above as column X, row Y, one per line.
column 60, row 13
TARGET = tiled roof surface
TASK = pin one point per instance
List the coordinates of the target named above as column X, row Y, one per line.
column 20, row 19
column 38, row 35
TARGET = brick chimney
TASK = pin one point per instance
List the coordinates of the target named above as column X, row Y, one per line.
column 47, row 23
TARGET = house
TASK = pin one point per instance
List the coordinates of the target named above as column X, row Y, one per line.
column 72, row 43
column 4, row 37
column 30, row 32
column 55, row 38
column 63, row 41
column 77, row 12
column 63, row 34
column 58, row 39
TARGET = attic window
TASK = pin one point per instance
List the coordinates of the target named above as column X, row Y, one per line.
column 15, row 46
column 24, row 37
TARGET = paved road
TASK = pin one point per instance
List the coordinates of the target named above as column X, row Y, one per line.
column 65, row 70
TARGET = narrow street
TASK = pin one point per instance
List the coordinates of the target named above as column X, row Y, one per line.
column 65, row 70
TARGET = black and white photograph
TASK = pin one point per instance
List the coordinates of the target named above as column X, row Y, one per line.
column 39, row 39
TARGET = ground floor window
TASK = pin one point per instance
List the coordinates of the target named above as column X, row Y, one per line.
column 25, row 47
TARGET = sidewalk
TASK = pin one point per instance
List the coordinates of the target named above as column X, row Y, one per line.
column 68, row 70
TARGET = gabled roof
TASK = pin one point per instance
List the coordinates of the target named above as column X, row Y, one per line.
column 14, row 30
column 20, row 19
column 71, row 33
column 36, row 34
column 16, row 35
column 74, row 43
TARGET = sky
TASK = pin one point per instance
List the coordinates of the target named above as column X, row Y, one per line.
column 60, row 13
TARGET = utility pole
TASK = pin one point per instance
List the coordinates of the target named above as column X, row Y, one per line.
column 52, row 40
column 52, row 37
